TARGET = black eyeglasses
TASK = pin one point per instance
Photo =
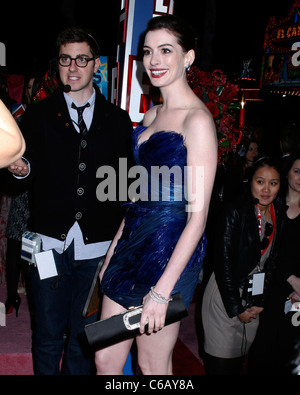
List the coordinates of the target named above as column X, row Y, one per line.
column 80, row 60
column 266, row 241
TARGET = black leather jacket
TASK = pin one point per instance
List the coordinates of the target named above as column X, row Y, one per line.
column 237, row 250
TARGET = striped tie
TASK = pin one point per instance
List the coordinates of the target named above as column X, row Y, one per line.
column 81, row 124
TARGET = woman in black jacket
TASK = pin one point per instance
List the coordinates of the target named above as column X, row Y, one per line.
column 246, row 249
column 276, row 341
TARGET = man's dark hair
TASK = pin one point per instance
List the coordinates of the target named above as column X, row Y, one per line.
column 78, row 35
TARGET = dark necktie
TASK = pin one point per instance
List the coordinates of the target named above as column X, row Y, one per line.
column 81, row 124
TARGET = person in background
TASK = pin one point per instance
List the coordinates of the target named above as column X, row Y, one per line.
column 251, row 154
column 277, row 336
column 237, row 174
column 160, row 245
column 289, row 139
column 69, row 136
column 12, row 143
column 295, row 362
column 247, row 240
column 17, row 220
column 289, row 143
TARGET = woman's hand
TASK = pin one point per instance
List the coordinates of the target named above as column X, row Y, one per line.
column 295, row 283
column 294, row 297
column 153, row 314
column 250, row 314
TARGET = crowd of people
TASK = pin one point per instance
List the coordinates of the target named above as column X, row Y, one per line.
column 151, row 248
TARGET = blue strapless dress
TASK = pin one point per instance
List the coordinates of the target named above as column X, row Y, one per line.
column 153, row 227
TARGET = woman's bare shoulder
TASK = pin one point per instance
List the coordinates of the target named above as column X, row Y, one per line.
column 150, row 115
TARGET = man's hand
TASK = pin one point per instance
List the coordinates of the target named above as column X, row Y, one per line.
column 19, row 168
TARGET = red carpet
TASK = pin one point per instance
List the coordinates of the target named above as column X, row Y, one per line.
column 16, row 364
column 15, row 344
column 185, row 362
column 15, row 341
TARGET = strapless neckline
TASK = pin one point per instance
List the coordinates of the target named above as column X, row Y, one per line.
column 142, row 128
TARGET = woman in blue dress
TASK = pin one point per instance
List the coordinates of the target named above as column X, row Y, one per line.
column 160, row 245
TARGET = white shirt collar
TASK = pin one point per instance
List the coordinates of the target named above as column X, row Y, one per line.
column 69, row 100
column 87, row 114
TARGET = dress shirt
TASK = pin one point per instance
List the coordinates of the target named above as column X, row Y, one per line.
column 87, row 113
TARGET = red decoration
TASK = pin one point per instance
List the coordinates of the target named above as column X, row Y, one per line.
column 49, row 85
column 242, row 113
column 220, row 97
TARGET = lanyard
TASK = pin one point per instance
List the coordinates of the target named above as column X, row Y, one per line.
column 260, row 225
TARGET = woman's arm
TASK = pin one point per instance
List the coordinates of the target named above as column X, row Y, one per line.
column 228, row 232
column 295, row 283
column 12, row 144
column 111, row 249
column 201, row 144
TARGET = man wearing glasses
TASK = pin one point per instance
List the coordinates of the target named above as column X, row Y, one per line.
column 69, row 136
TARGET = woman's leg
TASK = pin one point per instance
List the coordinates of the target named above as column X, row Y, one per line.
column 111, row 360
column 155, row 351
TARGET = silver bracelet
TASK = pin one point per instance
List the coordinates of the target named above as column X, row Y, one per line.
column 158, row 297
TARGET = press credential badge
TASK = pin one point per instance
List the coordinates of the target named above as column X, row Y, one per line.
column 31, row 252
column 46, row 264
column 258, row 283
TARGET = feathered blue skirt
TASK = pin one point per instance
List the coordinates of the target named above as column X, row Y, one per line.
column 149, row 237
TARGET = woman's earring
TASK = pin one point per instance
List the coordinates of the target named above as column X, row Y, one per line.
column 188, row 68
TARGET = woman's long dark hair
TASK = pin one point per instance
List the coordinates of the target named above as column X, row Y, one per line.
column 184, row 32
column 262, row 162
column 288, row 163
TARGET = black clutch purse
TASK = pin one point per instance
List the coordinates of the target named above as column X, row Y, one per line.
column 123, row 326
